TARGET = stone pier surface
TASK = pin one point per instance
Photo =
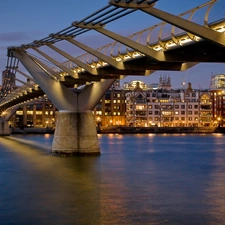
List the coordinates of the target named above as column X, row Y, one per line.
column 75, row 134
column 4, row 128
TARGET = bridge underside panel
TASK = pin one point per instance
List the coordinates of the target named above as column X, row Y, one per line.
column 75, row 134
column 202, row 51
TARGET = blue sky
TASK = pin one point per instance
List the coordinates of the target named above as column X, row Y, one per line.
column 25, row 21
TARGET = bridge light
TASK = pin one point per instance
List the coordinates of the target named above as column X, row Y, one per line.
column 126, row 57
column 118, row 59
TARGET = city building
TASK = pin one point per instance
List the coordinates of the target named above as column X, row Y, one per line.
column 139, row 104
column 111, row 109
column 217, row 90
column 42, row 113
column 8, row 82
column 167, row 108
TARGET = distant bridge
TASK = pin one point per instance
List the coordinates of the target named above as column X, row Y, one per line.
column 177, row 43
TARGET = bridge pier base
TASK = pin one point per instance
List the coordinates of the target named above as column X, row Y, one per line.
column 75, row 134
column 4, row 129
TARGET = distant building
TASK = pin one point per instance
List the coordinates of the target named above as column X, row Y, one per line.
column 218, row 99
column 8, row 78
column 138, row 104
column 111, row 108
column 40, row 114
column 165, row 82
column 8, row 82
column 218, row 82
column 134, row 84
column 167, row 108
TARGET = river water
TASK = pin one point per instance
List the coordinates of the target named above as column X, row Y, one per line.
column 137, row 179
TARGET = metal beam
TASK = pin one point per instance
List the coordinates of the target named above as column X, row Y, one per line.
column 105, row 58
column 48, row 70
column 25, row 75
column 159, row 56
column 70, row 72
column 74, row 60
column 194, row 28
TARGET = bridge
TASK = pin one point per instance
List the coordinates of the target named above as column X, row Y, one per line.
column 75, row 86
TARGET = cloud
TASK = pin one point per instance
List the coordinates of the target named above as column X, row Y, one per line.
column 13, row 37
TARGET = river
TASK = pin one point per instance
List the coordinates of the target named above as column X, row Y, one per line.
column 138, row 179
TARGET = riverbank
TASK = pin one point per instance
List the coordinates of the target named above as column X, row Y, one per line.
column 32, row 130
column 142, row 130
column 128, row 130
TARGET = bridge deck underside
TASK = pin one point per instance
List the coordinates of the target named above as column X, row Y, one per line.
column 202, row 51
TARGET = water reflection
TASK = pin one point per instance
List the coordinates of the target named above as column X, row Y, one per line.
column 138, row 179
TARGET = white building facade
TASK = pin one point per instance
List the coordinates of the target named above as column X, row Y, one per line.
column 168, row 108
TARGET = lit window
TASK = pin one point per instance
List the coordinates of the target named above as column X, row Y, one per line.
column 19, row 112
column 30, row 112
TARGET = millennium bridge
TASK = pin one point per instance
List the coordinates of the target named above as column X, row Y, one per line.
column 75, row 86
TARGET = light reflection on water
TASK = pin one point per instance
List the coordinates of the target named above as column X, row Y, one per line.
column 138, row 179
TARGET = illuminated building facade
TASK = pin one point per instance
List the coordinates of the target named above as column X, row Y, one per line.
column 167, row 108
column 218, row 99
column 138, row 104
column 111, row 109
column 40, row 114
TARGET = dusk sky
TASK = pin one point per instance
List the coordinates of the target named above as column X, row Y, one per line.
column 24, row 21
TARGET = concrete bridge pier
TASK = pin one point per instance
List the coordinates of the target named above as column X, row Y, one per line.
column 4, row 128
column 75, row 134
column 4, row 125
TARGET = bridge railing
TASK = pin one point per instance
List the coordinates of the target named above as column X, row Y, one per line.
column 161, row 36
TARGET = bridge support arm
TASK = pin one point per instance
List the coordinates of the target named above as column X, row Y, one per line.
column 159, row 56
column 194, row 28
column 109, row 60
column 62, row 98
column 92, row 94
column 133, row 44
